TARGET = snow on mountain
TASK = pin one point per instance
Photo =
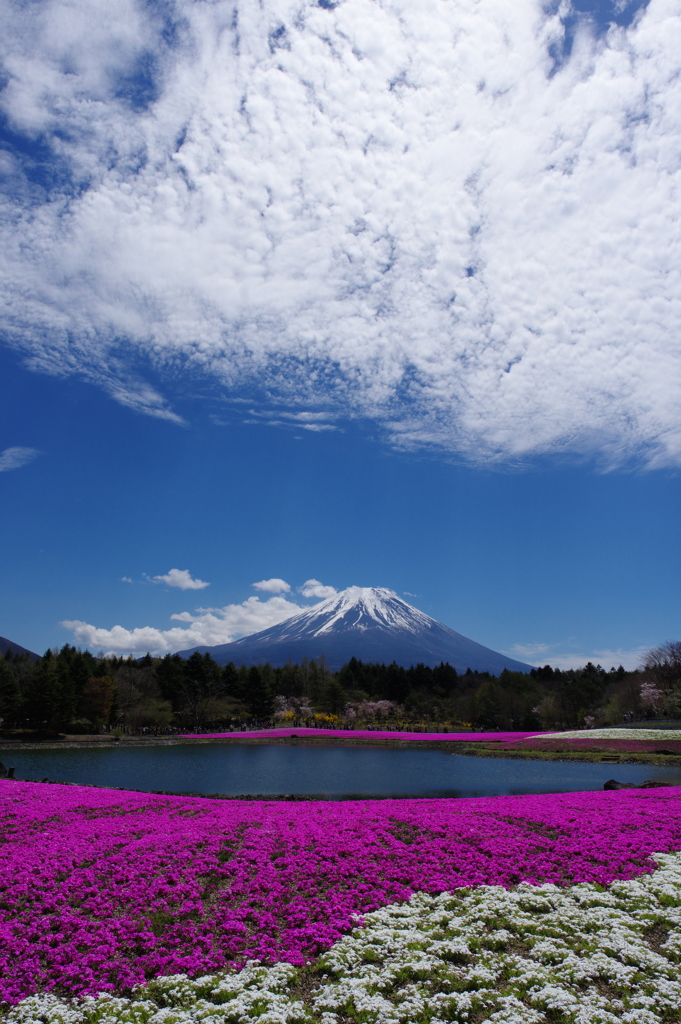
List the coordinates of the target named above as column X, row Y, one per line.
column 369, row 623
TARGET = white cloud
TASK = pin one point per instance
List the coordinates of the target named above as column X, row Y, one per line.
column 293, row 420
column 557, row 656
column 206, row 627
column 532, row 651
column 273, row 586
column 15, row 458
column 386, row 208
column 182, row 579
column 313, row 588
column 126, row 579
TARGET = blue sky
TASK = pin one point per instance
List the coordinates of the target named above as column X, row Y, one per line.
column 577, row 561
column 336, row 295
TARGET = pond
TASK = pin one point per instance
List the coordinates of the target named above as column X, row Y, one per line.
column 333, row 772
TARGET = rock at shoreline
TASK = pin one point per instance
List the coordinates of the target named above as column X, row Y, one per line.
column 650, row 784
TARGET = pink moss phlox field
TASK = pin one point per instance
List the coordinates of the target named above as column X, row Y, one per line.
column 273, row 734
column 101, row 889
column 618, row 745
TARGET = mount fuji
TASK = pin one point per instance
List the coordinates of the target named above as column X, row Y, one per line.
column 368, row 623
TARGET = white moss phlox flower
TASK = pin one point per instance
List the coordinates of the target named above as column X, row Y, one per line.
column 587, row 954
column 608, row 734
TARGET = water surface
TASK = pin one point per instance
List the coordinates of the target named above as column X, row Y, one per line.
column 334, row 772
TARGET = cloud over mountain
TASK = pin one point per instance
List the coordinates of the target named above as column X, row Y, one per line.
column 404, row 211
column 313, row 588
column 203, row 626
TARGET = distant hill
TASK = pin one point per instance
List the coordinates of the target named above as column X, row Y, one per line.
column 8, row 645
column 368, row 623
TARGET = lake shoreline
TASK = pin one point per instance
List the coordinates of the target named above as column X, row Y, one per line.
column 455, row 747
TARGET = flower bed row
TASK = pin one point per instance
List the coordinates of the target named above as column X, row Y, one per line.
column 583, row 954
column 100, row 890
column 589, row 744
column 613, row 734
column 373, row 734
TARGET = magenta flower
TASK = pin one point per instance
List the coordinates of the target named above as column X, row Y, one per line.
column 100, row 890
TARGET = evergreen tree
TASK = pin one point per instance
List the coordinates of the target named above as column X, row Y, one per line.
column 351, row 675
column 289, row 683
column 46, row 704
column 170, row 674
column 445, row 679
column 396, row 685
column 259, row 698
column 230, row 681
column 488, row 707
column 334, row 697
column 10, row 695
column 202, row 689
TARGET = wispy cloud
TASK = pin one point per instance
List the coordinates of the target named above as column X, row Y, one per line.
column 182, row 579
column 314, row 421
column 15, row 458
column 205, row 627
column 559, row 655
column 533, row 651
column 386, row 210
column 136, row 395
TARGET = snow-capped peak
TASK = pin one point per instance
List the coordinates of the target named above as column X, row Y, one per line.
column 358, row 608
column 369, row 623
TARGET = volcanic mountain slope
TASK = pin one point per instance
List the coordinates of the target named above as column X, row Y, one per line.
column 7, row 645
column 369, row 623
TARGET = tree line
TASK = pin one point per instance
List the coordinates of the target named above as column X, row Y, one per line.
column 73, row 691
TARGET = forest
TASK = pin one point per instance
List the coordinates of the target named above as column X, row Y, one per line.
column 70, row 691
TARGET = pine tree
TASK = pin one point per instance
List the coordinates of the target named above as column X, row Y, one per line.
column 10, row 695
column 259, row 698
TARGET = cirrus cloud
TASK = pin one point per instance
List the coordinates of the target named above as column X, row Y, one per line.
column 15, row 458
column 398, row 211
column 563, row 657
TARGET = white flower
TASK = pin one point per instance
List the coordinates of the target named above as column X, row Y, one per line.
column 511, row 956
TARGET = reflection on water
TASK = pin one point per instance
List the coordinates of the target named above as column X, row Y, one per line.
column 333, row 772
